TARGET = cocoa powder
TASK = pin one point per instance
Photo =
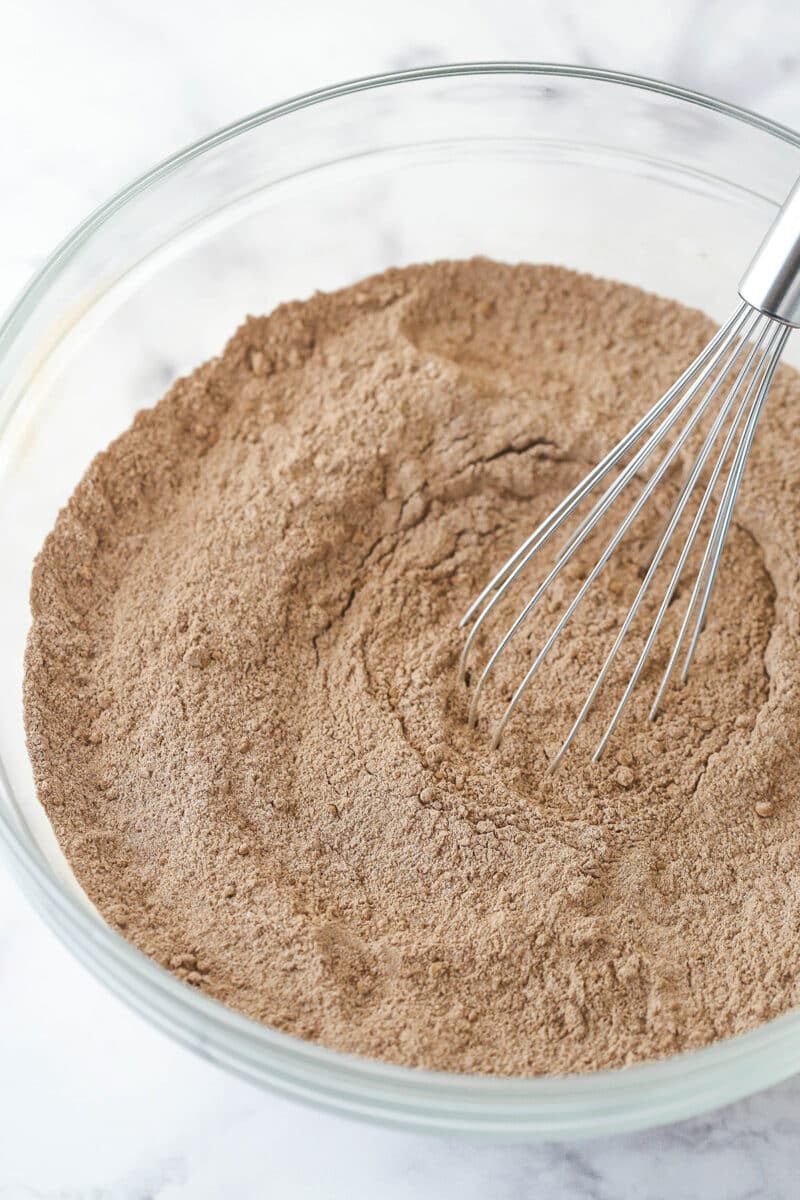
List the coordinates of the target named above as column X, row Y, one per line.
column 245, row 726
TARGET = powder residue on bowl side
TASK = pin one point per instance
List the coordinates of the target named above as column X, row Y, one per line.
column 245, row 726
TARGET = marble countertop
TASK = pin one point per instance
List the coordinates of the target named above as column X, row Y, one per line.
column 93, row 1102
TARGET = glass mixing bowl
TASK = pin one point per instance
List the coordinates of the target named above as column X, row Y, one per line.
column 606, row 173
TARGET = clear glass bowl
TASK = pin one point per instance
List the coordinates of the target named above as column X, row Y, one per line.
column 606, row 173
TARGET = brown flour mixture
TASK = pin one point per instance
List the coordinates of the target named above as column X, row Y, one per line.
column 243, row 718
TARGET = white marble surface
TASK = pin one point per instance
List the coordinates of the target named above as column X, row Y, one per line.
column 93, row 1103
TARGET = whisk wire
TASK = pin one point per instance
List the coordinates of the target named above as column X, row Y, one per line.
column 598, row 511
column 612, row 544
column 701, row 509
column 713, row 549
column 703, row 364
column 729, row 499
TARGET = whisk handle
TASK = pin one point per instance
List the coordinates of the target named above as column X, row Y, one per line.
column 772, row 281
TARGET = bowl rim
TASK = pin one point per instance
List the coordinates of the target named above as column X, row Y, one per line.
column 601, row 1101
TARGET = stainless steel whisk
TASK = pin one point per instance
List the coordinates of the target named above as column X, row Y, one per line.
column 737, row 366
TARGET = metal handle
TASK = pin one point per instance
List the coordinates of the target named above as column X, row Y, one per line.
column 772, row 281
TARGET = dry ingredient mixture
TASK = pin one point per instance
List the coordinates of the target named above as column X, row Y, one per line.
column 245, row 726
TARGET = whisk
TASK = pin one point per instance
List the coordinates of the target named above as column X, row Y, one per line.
column 733, row 374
